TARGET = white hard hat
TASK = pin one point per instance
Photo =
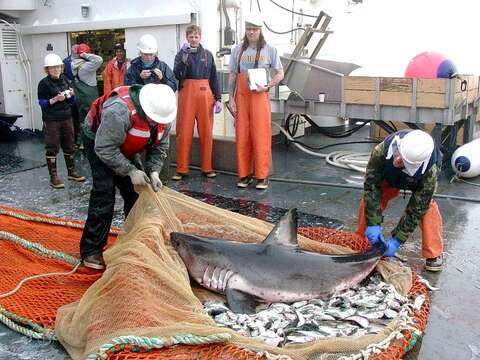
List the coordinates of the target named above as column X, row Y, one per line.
column 52, row 60
column 416, row 149
column 147, row 44
column 253, row 20
column 159, row 102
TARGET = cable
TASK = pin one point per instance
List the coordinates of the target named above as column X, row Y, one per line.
column 282, row 32
column 332, row 134
column 286, row 9
column 337, row 185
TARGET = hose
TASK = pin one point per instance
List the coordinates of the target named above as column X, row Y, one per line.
column 343, row 159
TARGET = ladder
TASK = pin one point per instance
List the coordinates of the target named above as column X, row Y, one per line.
column 320, row 26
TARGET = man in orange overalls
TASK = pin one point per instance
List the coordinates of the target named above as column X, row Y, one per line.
column 251, row 108
column 199, row 96
column 405, row 160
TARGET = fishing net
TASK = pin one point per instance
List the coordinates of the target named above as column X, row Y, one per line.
column 143, row 306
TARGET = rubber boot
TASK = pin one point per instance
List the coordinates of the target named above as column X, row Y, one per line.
column 72, row 174
column 55, row 182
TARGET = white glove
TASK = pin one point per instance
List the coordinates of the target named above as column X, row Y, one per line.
column 138, row 177
column 155, row 181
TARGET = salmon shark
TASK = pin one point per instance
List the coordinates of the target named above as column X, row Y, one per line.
column 275, row 270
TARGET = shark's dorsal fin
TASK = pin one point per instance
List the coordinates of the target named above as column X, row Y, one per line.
column 285, row 231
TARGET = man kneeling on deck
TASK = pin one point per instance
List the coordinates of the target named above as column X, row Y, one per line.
column 407, row 160
column 118, row 127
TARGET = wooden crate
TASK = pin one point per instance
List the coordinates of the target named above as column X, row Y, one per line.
column 430, row 93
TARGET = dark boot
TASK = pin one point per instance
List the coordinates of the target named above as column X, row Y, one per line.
column 72, row 175
column 55, row 182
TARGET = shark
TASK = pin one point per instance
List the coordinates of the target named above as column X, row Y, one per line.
column 275, row 270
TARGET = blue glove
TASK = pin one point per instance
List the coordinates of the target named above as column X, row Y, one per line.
column 185, row 47
column 374, row 233
column 392, row 247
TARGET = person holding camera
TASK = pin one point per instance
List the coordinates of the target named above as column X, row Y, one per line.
column 56, row 97
column 199, row 96
column 147, row 68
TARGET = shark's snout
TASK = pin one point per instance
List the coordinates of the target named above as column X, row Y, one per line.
column 176, row 239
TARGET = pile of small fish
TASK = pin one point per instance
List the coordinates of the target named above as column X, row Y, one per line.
column 364, row 309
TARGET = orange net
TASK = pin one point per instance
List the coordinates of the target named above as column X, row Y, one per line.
column 35, row 305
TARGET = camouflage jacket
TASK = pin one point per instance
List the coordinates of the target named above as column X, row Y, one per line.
column 417, row 205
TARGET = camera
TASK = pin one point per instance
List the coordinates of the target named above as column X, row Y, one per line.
column 67, row 93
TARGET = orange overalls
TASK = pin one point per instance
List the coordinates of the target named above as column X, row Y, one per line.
column 195, row 100
column 253, row 130
column 112, row 76
column 430, row 223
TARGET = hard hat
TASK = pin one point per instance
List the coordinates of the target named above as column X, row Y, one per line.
column 159, row 102
column 416, row 149
column 147, row 44
column 253, row 20
column 52, row 60
column 118, row 46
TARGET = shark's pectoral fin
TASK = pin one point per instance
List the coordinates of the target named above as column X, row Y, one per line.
column 240, row 302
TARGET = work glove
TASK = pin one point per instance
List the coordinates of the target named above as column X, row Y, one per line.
column 392, row 247
column 374, row 233
column 138, row 177
column 218, row 106
column 185, row 47
column 155, row 181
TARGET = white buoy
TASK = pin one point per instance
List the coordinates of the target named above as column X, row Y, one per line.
column 466, row 159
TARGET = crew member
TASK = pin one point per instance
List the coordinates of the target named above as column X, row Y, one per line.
column 147, row 68
column 133, row 119
column 251, row 108
column 405, row 160
column 199, row 97
column 55, row 97
column 114, row 73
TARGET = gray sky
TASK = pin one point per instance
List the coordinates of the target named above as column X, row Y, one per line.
column 384, row 35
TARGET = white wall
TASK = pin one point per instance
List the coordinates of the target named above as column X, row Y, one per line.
column 66, row 12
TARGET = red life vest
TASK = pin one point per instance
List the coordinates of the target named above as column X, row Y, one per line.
column 139, row 135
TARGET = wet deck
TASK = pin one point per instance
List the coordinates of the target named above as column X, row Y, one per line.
column 452, row 331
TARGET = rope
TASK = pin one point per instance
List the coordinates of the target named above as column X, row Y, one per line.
column 14, row 322
column 39, row 249
column 147, row 343
column 42, row 219
column 20, row 284
column 458, row 178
